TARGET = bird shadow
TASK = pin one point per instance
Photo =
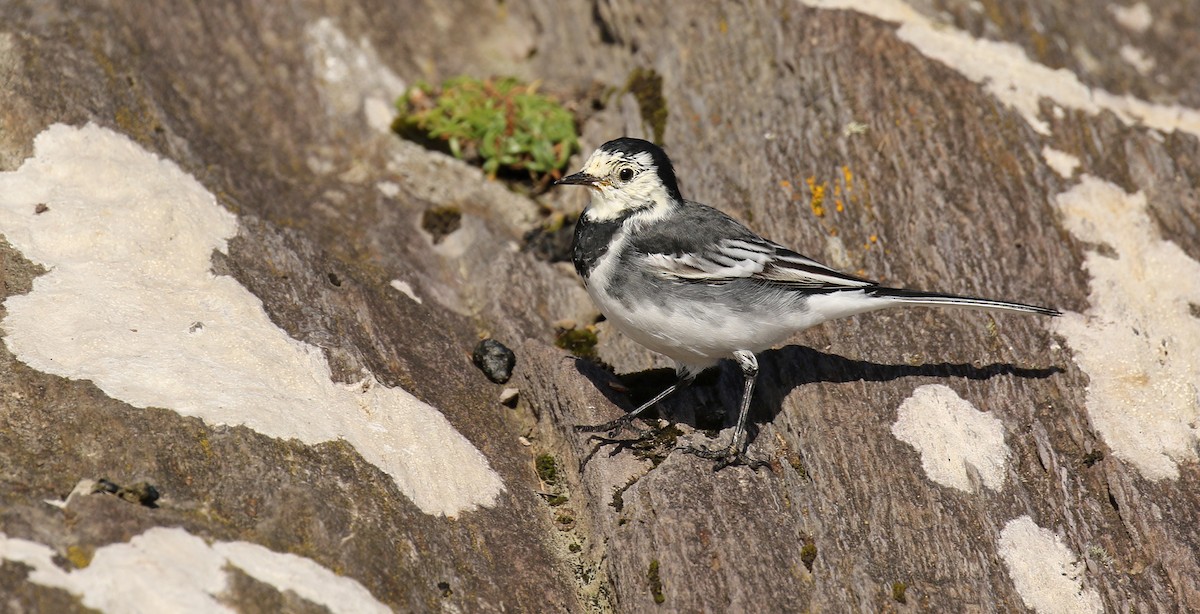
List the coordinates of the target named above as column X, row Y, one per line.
column 710, row 404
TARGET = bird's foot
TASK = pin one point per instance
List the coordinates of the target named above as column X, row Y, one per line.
column 612, row 428
column 732, row 455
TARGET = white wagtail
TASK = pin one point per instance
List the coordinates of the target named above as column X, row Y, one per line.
column 690, row 282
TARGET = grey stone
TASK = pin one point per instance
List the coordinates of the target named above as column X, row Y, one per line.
column 494, row 359
column 277, row 111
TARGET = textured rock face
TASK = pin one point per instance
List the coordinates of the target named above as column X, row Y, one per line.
column 217, row 281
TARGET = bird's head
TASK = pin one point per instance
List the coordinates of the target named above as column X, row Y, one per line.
column 627, row 175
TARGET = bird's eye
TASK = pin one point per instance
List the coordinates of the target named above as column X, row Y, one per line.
column 625, row 174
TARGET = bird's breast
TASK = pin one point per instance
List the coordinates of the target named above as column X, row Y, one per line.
column 593, row 240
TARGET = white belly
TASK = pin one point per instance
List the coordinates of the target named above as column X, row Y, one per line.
column 700, row 334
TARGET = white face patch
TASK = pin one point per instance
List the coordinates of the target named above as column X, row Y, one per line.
column 612, row 196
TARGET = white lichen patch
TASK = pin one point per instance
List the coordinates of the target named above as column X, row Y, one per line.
column 1060, row 162
column 1135, row 18
column 388, row 188
column 171, row 570
column 406, row 289
column 131, row 304
column 1136, row 58
column 1045, row 572
column 353, row 77
column 952, row 436
column 1007, row 73
column 1139, row 342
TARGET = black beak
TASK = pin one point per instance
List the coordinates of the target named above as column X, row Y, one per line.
column 578, row 179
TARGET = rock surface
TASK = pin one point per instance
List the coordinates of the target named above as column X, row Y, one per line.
column 930, row 146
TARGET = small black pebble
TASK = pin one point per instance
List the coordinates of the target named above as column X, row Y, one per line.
column 495, row 360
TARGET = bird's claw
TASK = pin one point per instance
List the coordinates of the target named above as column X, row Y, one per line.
column 732, row 455
column 611, row 428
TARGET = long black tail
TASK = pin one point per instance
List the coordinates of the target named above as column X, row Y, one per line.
column 916, row 297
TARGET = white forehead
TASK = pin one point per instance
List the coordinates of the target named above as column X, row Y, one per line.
column 603, row 161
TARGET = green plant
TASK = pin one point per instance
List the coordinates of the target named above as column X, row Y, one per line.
column 503, row 123
column 547, row 468
column 578, row 341
column 646, row 85
column 656, row 587
column 808, row 552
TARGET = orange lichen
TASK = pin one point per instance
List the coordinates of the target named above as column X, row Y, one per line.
column 818, row 196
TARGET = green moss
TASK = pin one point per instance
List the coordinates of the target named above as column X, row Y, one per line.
column 565, row 520
column 656, row 588
column 898, row 590
column 79, row 557
column 618, row 497
column 206, row 447
column 547, row 468
column 557, row 500
column 1100, row 555
column 503, row 124
column 797, row 463
column 142, row 492
column 575, row 547
column 656, row 448
column 578, row 341
column 646, row 85
column 667, row 436
column 808, row 553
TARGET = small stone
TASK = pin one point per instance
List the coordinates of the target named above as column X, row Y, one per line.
column 524, row 441
column 495, row 360
column 509, row 396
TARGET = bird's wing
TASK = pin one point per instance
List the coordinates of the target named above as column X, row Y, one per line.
column 751, row 258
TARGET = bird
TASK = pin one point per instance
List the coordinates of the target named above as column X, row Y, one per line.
column 692, row 283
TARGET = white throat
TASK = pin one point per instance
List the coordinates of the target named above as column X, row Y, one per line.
column 609, row 202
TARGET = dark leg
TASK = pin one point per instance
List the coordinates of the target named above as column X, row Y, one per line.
column 735, row 454
column 614, row 426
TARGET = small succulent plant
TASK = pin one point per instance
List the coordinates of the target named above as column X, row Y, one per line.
column 502, row 124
